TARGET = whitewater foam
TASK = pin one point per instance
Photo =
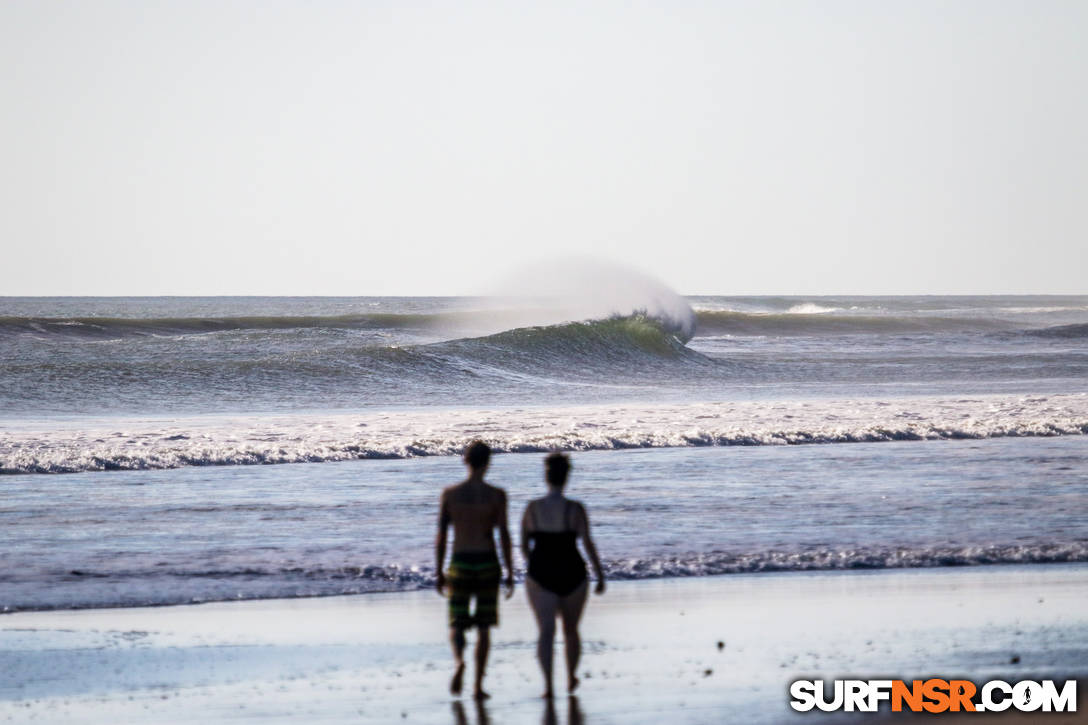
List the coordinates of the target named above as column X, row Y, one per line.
column 139, row 444
column 811, row 308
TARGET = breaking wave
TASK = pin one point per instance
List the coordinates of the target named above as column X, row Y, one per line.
column 597, row 344
column 801, row 320
column 633, row 349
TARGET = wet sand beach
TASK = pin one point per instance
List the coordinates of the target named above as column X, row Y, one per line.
column 651, row 650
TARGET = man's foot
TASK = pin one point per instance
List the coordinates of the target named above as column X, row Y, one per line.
column 458, row 678
column 548, row 695
column 572, row 683
column 480, row 694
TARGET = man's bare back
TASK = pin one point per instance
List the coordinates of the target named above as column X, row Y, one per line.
column 475, row 509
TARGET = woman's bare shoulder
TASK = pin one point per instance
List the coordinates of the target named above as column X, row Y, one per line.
column 534, row 504
column 581, row 517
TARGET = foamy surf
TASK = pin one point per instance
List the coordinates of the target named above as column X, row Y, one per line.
column 144, row 444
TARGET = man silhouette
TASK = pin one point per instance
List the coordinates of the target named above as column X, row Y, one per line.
column 475, row 509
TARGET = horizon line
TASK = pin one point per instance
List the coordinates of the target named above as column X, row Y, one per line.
column 455, row 296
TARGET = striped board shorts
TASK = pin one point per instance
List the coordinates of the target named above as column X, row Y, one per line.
column 474, row 574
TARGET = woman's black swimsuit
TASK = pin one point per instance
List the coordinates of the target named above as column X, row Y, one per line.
column 554, row 561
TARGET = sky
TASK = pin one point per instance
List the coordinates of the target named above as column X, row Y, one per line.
column 416, row 148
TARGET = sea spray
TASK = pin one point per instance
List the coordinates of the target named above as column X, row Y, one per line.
column 576, row 289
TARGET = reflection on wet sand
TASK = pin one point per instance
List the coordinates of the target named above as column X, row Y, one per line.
column 574, row 713
column 459, row 717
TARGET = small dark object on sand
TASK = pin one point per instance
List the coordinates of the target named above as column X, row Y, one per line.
column 721, row 645
column 708, row 672
column 1015, row 660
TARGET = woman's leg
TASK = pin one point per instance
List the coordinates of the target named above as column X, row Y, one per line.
column 544, row 605
column 570, row 608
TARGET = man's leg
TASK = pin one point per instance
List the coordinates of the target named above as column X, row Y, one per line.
column 459, row 622
column 457, row 642
column 485, row 617
column 483, row 646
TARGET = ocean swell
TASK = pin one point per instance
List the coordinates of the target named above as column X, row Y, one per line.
column 1066, row 332
column 818, row 321
column 123, row 327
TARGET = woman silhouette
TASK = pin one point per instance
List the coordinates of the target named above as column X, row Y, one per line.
column 556, row 582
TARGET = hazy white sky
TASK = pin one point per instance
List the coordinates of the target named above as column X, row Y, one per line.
column 272, row 147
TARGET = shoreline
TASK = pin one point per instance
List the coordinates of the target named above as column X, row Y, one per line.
column 519, row 578
column 650, row 649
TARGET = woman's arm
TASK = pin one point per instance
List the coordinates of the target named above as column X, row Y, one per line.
column 591, row 549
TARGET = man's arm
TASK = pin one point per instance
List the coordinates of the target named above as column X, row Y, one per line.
column 507, row 548
column 440, row 543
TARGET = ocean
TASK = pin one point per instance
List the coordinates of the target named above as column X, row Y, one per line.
column 711, row 435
